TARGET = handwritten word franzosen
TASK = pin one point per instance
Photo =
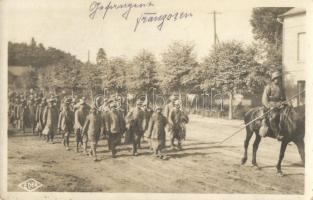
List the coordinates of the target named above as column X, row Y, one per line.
column 97, row 6
column 102, row 9
column 154, row 17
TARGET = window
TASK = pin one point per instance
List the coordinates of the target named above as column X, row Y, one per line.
column 301, row 47
column 301, row 97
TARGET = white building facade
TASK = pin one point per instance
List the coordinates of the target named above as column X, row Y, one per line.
column 294, row 53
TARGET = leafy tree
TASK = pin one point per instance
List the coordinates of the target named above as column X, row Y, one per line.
column 265, row 25
column 232, row 68
column 268, row 29
column 179, row 61
column 143, row 73
column 101, row 57
column 115, row 78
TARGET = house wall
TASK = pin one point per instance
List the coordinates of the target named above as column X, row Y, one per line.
column 294, row 48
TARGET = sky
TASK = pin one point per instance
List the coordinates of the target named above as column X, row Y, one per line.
column 66, row 25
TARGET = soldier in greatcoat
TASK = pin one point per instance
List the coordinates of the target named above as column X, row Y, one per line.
column 22, row 115
column 39, row 115
column 136, row 125
column 178, row 119
column 65, row 124
column 105, row 109
column 81, row 114
column 156, row 132
column 115, row 127
column 92, row 129
column 166, row 112
column 147, row 115
column 32, row 114
column 50, row 121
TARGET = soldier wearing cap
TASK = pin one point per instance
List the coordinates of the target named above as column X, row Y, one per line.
column 136, row 125
column 39, row 115
column 177, row 120
column 171, row 105
column 91, row 131
column 81, row 113
column 115, row 127
column 156, row 132
column 147, row 115
column 50, row 120
column 65, row 124
column 273, row 97
column 22, row 114
column 32, row 113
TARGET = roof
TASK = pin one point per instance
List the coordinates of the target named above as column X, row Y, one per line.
column 19, row 70
column 293, row 11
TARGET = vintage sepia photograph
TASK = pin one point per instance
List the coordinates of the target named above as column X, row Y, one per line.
column 153, row 96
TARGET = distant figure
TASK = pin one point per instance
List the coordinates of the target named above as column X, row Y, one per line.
column 156, row 132
column 22, row 115
column 115, row 127
column 136, row 125
column 40, row 116
column 50, row 121
column 65, row 124
column 91, row 131
column 80, row 117
column 178, row 119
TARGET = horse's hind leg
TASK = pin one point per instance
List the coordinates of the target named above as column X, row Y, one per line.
column 300, row 146
column 249, row 134
column 281, row 157
column 255, row 148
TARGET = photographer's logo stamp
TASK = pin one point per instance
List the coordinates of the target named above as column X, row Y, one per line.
column 30, row 185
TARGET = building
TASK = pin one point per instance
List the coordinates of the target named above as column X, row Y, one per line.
column 294, row 53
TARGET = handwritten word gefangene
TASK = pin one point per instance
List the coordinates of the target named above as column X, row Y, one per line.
column 97, row 6
column 154, row 17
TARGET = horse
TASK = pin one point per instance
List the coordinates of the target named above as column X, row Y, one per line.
column 292, row 124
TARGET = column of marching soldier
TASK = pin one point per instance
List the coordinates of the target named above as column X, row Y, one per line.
column 52, row 114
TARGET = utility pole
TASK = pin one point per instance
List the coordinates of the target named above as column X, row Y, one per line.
column 214, row 26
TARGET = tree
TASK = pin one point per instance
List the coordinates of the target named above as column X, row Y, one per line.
column 267, row 28
column 231, row 68
column 101, row 57
column 115, row 78
column 143, row 72
column 265, row 25
column 179, row 61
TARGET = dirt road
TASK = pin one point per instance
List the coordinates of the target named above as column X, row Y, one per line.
column 203, row 166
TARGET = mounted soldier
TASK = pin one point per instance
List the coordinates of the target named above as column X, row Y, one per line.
column 272, row 99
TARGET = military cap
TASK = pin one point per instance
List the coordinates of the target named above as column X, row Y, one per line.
column 113, row 104
column 174, row 97
column 68, row 101
column 158, row 108
column 276, row 75
column 139, row 102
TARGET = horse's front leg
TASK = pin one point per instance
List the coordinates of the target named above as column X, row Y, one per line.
column 255, row 148
column 249, row 134
column 283, row 147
